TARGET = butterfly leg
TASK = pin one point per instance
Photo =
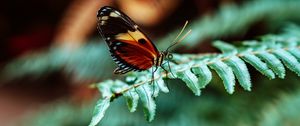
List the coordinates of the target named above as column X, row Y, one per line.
column 152, row 81
column 167, row 72
column 170, row 69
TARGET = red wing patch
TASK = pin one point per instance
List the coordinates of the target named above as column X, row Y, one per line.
column 130, row 48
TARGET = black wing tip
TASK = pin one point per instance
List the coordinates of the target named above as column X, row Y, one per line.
column 106, row 7
column 104, row 10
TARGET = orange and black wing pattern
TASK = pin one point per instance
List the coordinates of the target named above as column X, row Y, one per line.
column 130, row 48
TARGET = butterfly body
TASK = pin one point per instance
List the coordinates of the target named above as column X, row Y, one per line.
column 130, row 48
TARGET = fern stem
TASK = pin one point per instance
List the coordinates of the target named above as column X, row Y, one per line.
column 195, row 65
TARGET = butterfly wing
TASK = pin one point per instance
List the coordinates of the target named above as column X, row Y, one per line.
column 130, row 48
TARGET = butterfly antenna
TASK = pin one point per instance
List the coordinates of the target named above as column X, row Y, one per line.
column 185, row 35
column 175, row 40
column 185, row 24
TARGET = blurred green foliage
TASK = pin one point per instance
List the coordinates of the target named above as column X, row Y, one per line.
column 89, row 61
column 271, row 102
column 232, row 20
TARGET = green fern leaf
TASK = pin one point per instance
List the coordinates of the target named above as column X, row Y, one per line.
column 258, row 65
column 224, row 47
column 203, row 73
column 155, row 89
column 161, row 84
column 289, row 60
column 241, row 71
column 149, row 105
column 185, row 74
column 226, row 74
column 295, row 52
column 273, row 63
column 105, row 88
column 131, row 100
column 100, row 108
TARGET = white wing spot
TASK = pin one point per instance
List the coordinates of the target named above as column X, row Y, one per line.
column 104, row 18
column 102, row 23
column 117, row 12
column 113, row 14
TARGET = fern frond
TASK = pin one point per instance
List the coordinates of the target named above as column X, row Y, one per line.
column 233, row 20
column 84, row 63
column 268, row 56
column 101, row 107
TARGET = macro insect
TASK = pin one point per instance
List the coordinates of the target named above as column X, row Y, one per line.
column 130, row 48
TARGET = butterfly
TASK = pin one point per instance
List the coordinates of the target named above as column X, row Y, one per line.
column 130, row 48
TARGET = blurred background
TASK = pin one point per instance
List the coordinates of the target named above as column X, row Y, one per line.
column 50, row 52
